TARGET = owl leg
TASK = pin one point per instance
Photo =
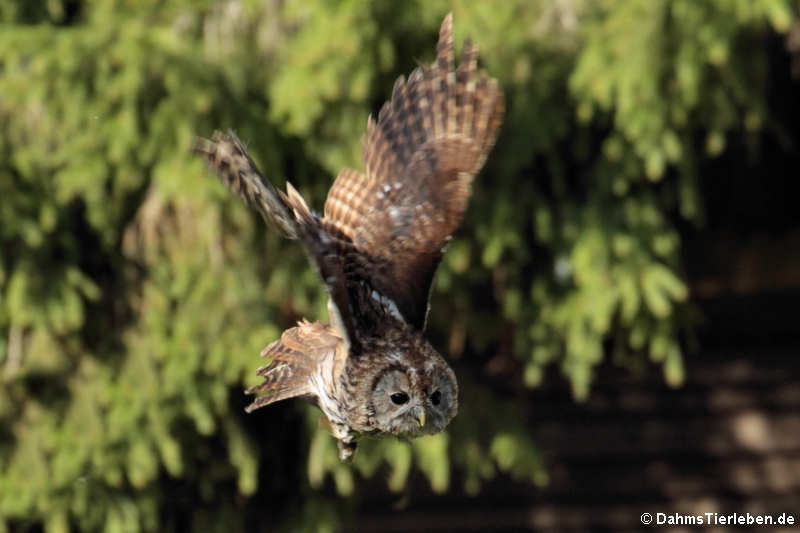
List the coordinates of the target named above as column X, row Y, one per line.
column 347, row 450
column 346, row 440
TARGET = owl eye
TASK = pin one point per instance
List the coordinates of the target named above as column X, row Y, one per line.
column 436, row 397
column 399, row 398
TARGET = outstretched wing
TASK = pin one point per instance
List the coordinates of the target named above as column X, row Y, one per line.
column 228, row 158
column 421, row 156
column 295, row 359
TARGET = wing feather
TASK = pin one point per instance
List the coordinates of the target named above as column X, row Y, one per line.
column 421, row 156
column 288, row 212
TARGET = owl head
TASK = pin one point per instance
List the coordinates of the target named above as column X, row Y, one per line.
column 414, row 396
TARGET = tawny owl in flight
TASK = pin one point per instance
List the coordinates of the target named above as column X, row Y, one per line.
column 376, row 247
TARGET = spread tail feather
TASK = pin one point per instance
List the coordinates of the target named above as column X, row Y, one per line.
column 294, row 359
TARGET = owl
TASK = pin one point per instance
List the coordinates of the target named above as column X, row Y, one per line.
column 376, row 248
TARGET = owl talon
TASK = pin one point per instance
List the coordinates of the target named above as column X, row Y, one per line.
column 347, row 450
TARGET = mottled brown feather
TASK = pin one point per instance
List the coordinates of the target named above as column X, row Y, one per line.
column 421, row 156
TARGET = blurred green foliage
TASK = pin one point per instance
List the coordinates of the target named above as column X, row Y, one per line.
column 136, row 293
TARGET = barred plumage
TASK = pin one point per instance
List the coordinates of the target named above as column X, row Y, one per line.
column 377, row 248
column 421, row 156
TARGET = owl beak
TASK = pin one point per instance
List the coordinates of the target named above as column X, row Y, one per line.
column 421, row 418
